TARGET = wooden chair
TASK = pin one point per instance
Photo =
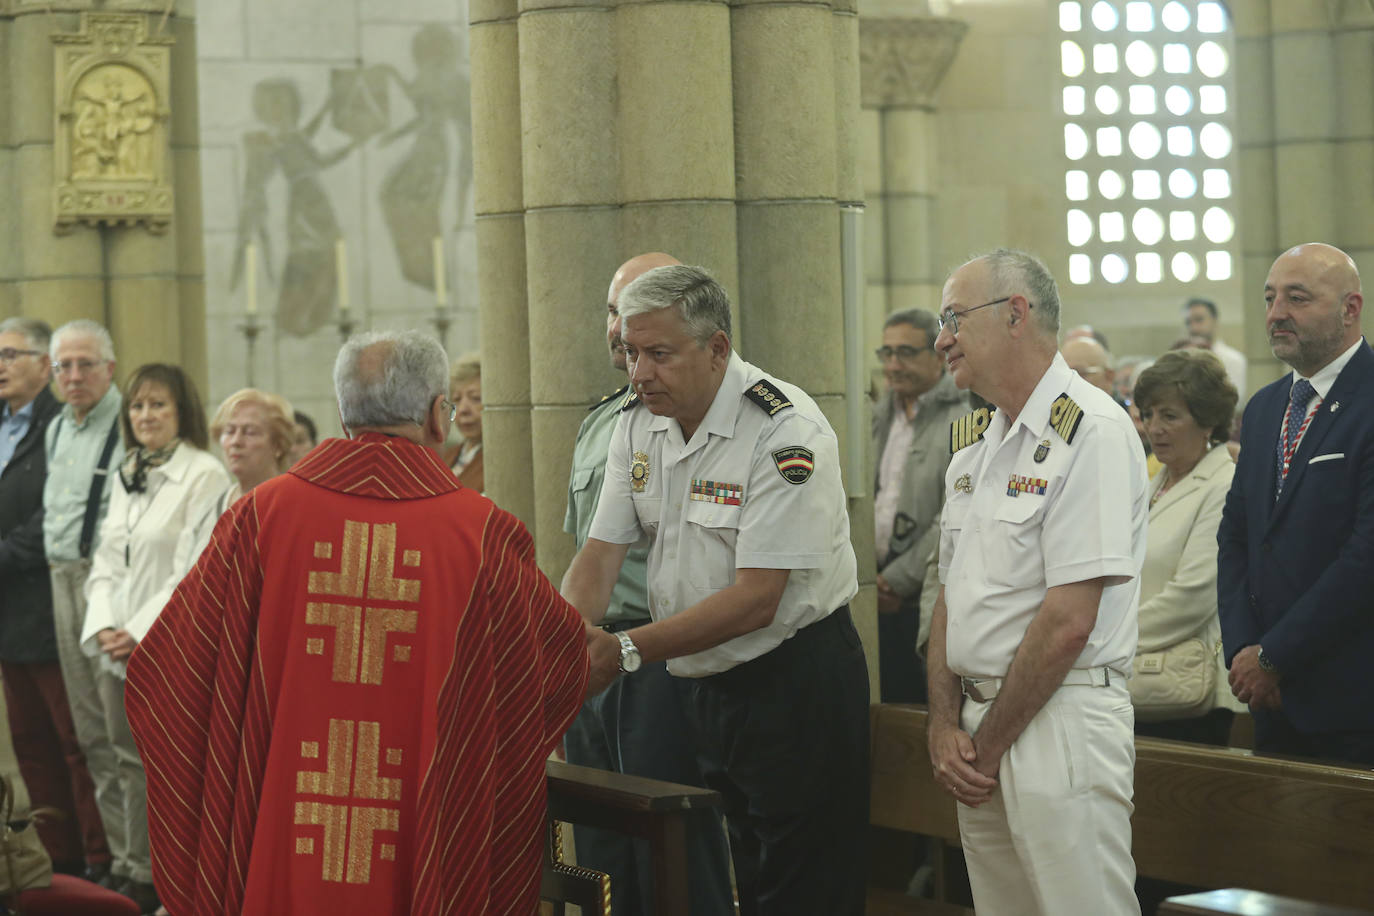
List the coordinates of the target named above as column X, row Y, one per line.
column 563, row 883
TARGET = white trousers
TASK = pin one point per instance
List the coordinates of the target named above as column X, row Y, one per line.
column 1056, row 836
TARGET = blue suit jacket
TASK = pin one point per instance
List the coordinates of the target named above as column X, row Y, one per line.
column 1297, row 575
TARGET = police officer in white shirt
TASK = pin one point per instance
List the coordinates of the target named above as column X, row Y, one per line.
column 733, row 480
column 1042, row 542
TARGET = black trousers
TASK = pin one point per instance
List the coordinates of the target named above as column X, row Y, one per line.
column 784, row 739
column 1275, row 734
column 901, row 672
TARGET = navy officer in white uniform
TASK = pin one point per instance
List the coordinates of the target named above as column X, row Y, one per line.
column 732, row 478
column 1042, row 541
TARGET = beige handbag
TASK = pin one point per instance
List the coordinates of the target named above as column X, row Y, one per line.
column 1177, row 683
column 24, row 863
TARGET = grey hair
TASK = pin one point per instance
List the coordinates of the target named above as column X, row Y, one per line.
column 84, row 327
column 36, row 332
column 696, row 295
column 919, row 319
column 411, row 373
column 1014, row 271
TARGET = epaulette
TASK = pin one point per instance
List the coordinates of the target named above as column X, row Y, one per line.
column 609, row 398
column 631, row 399
column 969, row 428
column 765, row 393
column 1065, row 415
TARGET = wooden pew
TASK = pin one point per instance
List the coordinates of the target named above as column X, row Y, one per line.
column 645, row 808
column 1236, row 902
column 1204, row 816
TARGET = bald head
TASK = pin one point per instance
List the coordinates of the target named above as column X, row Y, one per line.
column 627, row 274
column 1313, row 304
column 1088, row 358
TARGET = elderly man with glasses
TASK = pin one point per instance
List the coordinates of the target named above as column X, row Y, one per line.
column 45, row 739
column 1042, row 542
column 911, row 447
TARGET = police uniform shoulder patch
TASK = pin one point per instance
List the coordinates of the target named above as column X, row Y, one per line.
column 969, row 429
column 765, row 393
column 611, row 398
column 1065, row 415
column 795, row 463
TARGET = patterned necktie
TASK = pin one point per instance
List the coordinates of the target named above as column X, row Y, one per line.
column 1298, row 397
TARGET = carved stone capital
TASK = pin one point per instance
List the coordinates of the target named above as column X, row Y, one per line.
column 111, row 107
column 903, row 61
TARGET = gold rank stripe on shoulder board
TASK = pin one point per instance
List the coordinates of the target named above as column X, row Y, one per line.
column 969, row 429
column 1065, row 415
column 766, row 394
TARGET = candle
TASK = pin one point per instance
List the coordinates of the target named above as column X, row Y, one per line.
column 440, row 288
column 250, row 254
column 341, row 269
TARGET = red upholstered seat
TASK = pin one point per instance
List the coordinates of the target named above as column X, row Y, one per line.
column 70, row 896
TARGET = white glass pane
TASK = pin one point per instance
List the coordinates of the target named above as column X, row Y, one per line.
column 1218, row 226
column 1074, row 100
column 1145, row 184
column 1215, row 140
column 1070, row 17
column 1211, row 99
column 1182, row 226
column 1111, row 227
column 1114, row 268
column 1216, row 183
column 1104, row 58
column 1109, row 141
column 1180, row 141
column 1149, row 267
column 1142, row 100
column 1211, row 17
column 1076, row 185
column 1147, row 226
column 1140, row 16
column 1218, row 265
column 1145, row 140
column 1071, row 58
column 1111, row 184
column 1177, row 59
column 1075, row 141
column 1211, row 59
column 1080, row 227
column 1140, row 58
column 1182, row 184
column 1104, row 16
column 1175, row 16
column 1178, row 100
column 1080, row 269
column 1107, row 100
column 1184, row 266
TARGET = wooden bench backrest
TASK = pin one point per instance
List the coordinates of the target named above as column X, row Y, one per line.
column 1214, row 817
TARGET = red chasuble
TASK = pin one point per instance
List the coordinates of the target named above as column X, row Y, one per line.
column 347, row 704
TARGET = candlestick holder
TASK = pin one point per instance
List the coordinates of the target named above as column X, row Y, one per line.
column 347, row 323
column 442, row 320
column 250, row 328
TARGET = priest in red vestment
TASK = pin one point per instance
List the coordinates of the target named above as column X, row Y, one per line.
column 347, row 704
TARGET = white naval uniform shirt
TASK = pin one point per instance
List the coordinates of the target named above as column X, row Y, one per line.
column 1000, row 553
column 761, row 520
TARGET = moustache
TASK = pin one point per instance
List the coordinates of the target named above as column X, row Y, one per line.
column 1282, row 326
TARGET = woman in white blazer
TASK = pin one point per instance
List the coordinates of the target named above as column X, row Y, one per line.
column 1186, row 402
column 166, row 482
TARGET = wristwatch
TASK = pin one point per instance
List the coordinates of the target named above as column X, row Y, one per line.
column 629, row 654
column 1264, row 662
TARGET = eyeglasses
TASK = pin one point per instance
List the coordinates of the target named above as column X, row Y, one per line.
column 74, row 366
column 10, row 354
column 951, row 318
column 452, row 409
column 904, row 353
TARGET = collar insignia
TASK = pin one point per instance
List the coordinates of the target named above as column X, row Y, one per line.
column 969, row 429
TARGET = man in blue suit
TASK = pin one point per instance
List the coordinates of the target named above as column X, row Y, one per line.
column 1296, row 561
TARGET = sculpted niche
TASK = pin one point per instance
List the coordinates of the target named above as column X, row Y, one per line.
column 112, row 85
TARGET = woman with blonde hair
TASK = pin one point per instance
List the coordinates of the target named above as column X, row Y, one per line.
column 465, row 391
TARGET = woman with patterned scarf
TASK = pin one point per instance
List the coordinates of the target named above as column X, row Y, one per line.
column 166, row 482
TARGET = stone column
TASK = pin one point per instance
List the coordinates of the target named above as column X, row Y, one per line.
column 147, row 287
column 1305, row 140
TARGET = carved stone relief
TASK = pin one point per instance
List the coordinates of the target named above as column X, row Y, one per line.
column 902, row 61
column 111, row 109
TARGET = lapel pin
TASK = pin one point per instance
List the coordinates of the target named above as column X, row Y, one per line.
column 1335, row 406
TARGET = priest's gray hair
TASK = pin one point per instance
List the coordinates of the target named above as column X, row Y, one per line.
column 388, row 378
column 699, row 299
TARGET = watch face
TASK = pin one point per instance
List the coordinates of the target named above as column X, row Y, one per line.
column 630, row 661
